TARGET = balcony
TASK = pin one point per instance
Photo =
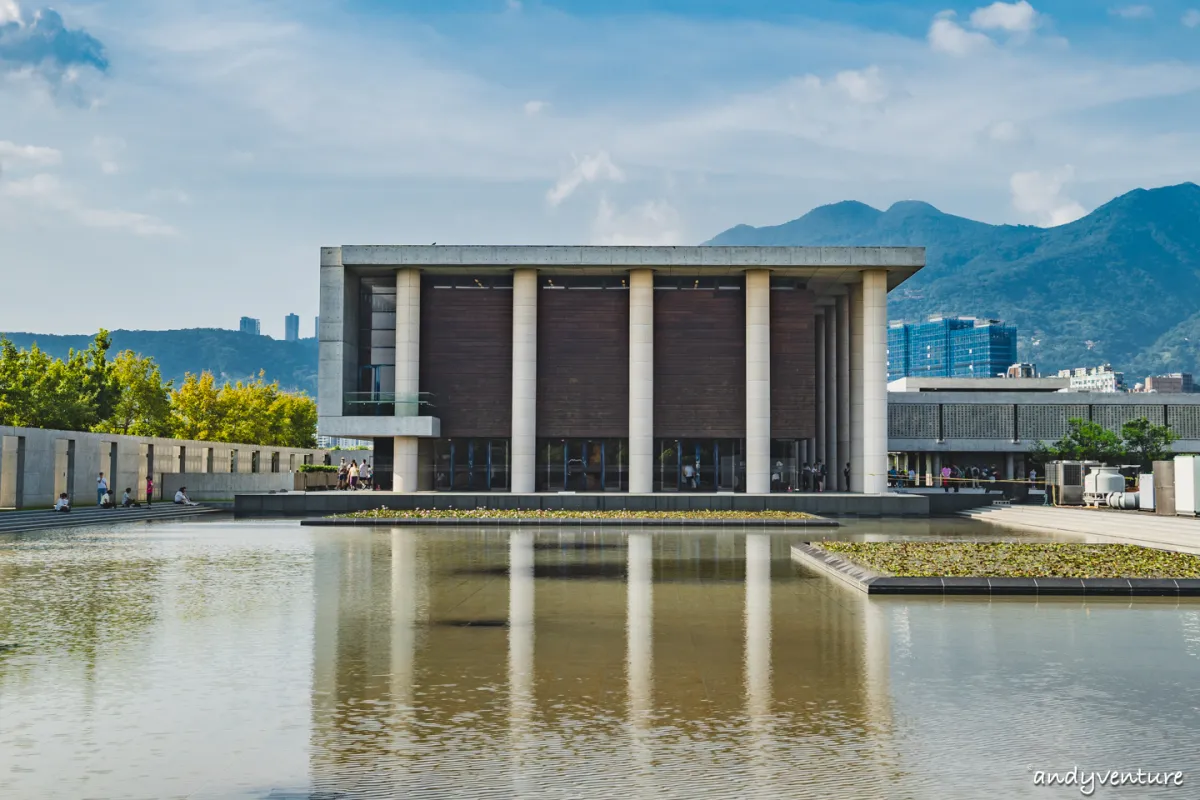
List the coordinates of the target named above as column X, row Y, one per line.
column 371, row 414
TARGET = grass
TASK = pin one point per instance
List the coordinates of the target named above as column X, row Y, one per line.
column 1015, row 560
column 496, row 513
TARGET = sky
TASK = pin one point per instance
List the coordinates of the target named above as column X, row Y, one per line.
column 178, row 163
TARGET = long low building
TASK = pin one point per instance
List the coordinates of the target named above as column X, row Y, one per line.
column 934, row 423
column 616, row 369
column 37, row 464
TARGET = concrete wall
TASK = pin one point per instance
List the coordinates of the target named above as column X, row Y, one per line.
column 223, row 486
column 37, row 464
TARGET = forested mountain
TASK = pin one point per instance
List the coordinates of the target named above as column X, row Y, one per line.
column 1121, row 285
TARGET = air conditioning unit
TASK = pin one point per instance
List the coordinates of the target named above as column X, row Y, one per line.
column 1064, row 479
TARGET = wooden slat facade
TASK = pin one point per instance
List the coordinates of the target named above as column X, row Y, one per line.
column 583, row 363
column 466, row 359
column 699, row 363
column 793, row 365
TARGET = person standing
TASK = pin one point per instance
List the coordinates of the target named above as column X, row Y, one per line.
column 101, row 489
column 688, row 474
column 149, row 490
column 341, row 475
column 365, row 476
column 846, row 475
column 946, row 479
column 824, row 476
column 805, row 477
column 352, row 473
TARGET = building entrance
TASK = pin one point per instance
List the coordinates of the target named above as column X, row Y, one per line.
column 582, row 465
column 700, row 465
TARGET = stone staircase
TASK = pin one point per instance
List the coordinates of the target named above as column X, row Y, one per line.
column 1099, row 525
column 88, row 516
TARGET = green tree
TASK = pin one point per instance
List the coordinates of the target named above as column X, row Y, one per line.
column 1146, row 442
column 38, row 391
column 195, row 408
column 253, row 412
column 143, row 403
column 1085, row 441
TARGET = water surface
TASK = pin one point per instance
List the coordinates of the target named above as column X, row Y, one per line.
column 254, row 660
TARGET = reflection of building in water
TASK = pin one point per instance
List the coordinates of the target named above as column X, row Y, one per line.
column 648, row 646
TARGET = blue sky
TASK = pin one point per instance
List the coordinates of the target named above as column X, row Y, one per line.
column 177, row 163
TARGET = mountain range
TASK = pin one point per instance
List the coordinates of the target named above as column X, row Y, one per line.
column 229, row 355
column 1120, row 285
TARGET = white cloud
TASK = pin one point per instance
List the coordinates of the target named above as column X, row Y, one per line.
column 655, row 222
column 1134, row 12
column 513, row 5
column 29, row 154
column 589, row 169
column 10, row 12
column 47, row 193
column 1018, row 17
column 1040, row 195
column 535, row 107
column 947, row 36
column 1191, row 18
column 862, row 86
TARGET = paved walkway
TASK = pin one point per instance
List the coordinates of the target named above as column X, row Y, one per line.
column 1099, row 525
column 43, row 519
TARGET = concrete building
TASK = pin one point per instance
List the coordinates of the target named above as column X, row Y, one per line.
column 1174, row 383
column 250, row 325
column 996, row 428
column 950, row 347
column 616, row 369
column 36, row 465
column 1094, row 379
column 291, row 328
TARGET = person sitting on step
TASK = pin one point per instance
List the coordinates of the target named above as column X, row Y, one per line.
column 64, row 504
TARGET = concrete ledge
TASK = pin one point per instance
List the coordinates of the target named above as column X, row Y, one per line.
column 829, row 504
column 865, row 580
column 629, row 522
column 370, row 427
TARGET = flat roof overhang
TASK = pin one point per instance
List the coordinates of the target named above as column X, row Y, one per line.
column 826, row 269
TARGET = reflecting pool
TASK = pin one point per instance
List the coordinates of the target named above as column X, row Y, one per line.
column 266, row 660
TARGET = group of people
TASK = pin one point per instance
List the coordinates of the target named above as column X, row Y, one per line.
column 953, row 477
column 352, row 477
column 813, row 477
column 106, row 499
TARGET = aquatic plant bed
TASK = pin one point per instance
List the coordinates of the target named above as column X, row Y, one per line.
column 495, row 516
column 1004, row 568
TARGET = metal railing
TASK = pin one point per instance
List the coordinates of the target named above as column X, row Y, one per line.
column 389, row 404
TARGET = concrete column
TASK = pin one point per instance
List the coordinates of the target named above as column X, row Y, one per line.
column 758, row 381
column 874, row 396
column 843, row 387
column 524, row 386
column 832, row 456
column 641, row 381
column 408, row 374
column 1010, row 469
column 856, row 388
column 819, row 450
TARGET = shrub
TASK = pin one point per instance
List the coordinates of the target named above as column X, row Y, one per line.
column 317, row 468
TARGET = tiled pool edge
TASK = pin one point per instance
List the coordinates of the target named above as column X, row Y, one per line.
column 865, row 580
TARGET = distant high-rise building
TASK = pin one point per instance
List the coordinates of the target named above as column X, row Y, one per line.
column 250, row 325
column 951, row 347
column 1094, row 379
column 291, row 328
column 1174, row 383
